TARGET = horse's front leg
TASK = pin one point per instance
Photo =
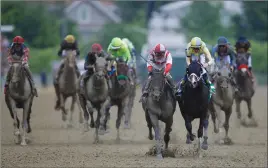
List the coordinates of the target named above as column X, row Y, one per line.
column 91, row 111
column 205, row 124
column 168, row 129
column 70, row 123
column 149, row 125
column 156, row 127
column 62, row 106
column 103, row 115
column 26, row 110
column 238, row 111
column 128, row 112
column 253, row 122
column 120, row 113
column 13, row 111
column 188, row 125
column 228, row 113
column 96, row 140
column 200, row 133
column 83, row 102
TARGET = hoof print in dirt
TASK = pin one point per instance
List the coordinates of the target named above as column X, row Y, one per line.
column 165, row 152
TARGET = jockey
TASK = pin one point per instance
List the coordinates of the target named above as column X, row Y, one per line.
column 193, row 52
column 243, row 46
column 18, row 48
column 117, row 48
column 69, row 43
column 133, row 53
column 224, row 51
column 90, row 59
column 160, row 57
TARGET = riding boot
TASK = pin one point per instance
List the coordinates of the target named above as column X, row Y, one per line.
column 172, row 85
column 209, row 84
column 181, row 87
column 59, row 73
column 233, row 83
column 7, row 80
column 29, row 74
column 146, row 88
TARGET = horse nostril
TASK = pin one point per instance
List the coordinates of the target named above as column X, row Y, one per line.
column 195, row 82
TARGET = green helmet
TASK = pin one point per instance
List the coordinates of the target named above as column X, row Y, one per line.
column 116, row 43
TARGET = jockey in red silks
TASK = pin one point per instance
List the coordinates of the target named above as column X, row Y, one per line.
column 19, row 49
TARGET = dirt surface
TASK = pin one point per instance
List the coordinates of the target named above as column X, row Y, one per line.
column 52, row 145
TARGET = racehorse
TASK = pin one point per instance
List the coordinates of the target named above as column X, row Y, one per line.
column 194, row 103
column 19, row 95
column 222, row 101
column 96, row 92
column 245, row 85
column 118, row 95
column 159, row 105
column 67, row 86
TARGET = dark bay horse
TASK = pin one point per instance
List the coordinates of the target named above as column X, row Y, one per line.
column 19, row 95
column 194, row 104
column 159, row 105
column 118, row 95
column 245, row 85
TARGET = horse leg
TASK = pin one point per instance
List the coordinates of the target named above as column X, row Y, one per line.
column 188, row 126
column 26, row 111
column 128, row 112
column 200, row 133
column 80, row 110
column 149, row 125
column 103, row 118
column 205, row 142
column 96, row 140
column 214, row 117
column 238, row 111
column 168, row 129
column 86, row 116
column 72, row 111
column 91, row 111
column 29, row 117
column 16, row 123
column 120, row 113
column 250, row 113
column 228, row 113
column 62, row 106
column 156, row 127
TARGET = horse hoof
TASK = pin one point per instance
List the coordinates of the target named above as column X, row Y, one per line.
column 101, row 132
column 159, row 156
column 23, row 143
column 92, row 125
column 63, row 117
column 227, row 141
column 150, row 137
column 192, row 137
column 69, row 125
column 216, row 131
column 29, row 130
column 204, row 146
column 127, row 126
column 188, row 141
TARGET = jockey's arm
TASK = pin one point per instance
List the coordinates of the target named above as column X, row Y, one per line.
column 168, row 64
column 214, row 51
column 61, row 49
column 188, row 54
column 208, row 55
column 231, row 53
column 150, row 63
column 76, row 49
column 127, row 55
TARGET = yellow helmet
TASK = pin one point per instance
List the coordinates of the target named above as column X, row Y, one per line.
column 69, row 38
column 116, row 43
column 196, row 42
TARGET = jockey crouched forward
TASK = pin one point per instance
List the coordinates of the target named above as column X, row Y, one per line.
column 243, row 46
column 118, row 49
column 19, row 49
column 223, row 51
column 90, row 59
column 69, row 43
column 193, row 52
column 159, row 57
column 133, row 54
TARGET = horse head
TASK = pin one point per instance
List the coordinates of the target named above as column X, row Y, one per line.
column 16, row 71
column 242, row 65
column 157, row 83
column 100, row 69
column 121, row 71
column 70, row 58
column 195, row 73
column 223, row 77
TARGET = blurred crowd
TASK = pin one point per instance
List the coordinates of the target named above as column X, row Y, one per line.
column 3, row 54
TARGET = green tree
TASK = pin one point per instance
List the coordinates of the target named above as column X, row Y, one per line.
column 202, row 19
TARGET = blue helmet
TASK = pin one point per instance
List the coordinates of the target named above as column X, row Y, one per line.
column 222, row 40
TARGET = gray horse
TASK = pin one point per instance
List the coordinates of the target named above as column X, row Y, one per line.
column 96, row 92
column 246, row 88
column 67, row 86
column 159, row 105
column 118, row 95
column 222, row 101
column 19, row 95
column 130, row 104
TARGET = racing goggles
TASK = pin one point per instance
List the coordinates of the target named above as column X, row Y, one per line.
column 159, row 54
column 115, row 48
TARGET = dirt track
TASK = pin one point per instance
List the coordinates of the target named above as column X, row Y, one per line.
column 54, row 146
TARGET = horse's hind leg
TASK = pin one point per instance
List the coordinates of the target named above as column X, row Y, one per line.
column 228, row 113
column 13, row 111
column 156, row 127
column 103, row 118
column 167, row 131
column 86, row 116
column 63, row 110
column 149, row 125
column 205, row 142
column 26, row 111
column 29, row 130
